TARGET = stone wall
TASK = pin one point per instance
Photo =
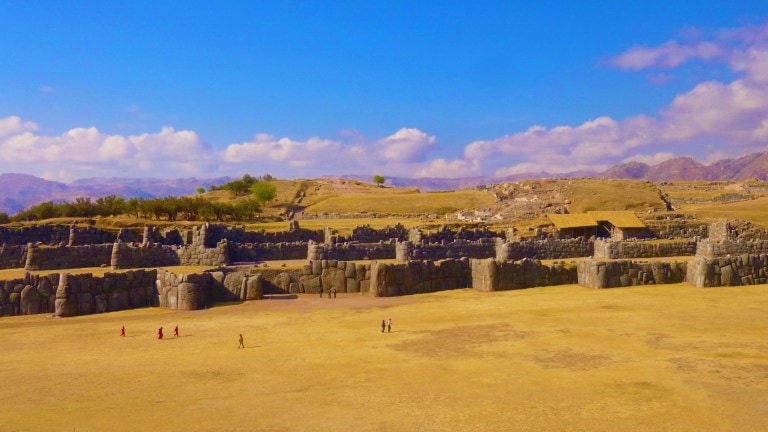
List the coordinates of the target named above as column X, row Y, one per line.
column 255, row 252
column 483, row 248
column 46, row 234
column 677, row 228
column 416, row 277
column 13, row 256
column 445, row 234
column 85, row 294
column 608, row 249
column 327, row 274
column 366, row 234
column 64, row 257
column 735, row 230
column 27, row 296
column 545, row 249
column 63, row 234
column 199, row 255
column 746, row 269
column 495, row 275
column 622, row 273
column 200, row 290
column 714, row 249
column 131, row 255
column 350, row 251
column 214, row 233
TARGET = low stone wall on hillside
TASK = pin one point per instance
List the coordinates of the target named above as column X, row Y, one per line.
column 622, row 273
column 63, row 235
column 416, row 277
column 13, row 256
column 483, row 248
column 214, row 233
column 746, row 269
column 64, row 257
column 714, row 249
column 255, row 252
column 609, row 249
column 735, row 230
column 495, row 275
column 350, row 251
column 366, row 234
column 131, row 255
column 446, row 235
column 677, row 228
column 545, row 249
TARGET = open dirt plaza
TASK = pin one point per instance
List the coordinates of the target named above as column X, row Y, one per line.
column 565, row 358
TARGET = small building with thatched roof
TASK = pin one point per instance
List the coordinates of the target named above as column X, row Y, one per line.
column 573, row 225
column 618, row 225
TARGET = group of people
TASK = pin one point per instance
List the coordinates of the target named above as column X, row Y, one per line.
column 159, row 332
column 331, row 292
column 386, row 325
column 176, row 334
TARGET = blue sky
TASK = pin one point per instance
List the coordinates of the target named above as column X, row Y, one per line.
column 427, row 88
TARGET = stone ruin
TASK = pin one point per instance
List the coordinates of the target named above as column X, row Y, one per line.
column 735, row 254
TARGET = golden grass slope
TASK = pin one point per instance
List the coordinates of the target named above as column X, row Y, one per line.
column 405, row 203
column 755, row 211
column 669, row 357
column 597, row 194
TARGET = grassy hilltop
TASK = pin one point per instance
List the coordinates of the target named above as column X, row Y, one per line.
column 343, row 203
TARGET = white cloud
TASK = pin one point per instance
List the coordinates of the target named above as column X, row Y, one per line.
column 406, row 145
column 266, row 148
column 668, row 55
column 13, row 125
column 449, row 169
column 87, row 149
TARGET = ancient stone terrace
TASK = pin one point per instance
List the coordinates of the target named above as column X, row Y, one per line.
column 464, row 261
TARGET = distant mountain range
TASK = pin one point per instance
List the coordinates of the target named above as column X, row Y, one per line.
column 19, row 191
column 681, row 168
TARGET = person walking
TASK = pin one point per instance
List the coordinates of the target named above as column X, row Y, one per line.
column 122, row 332
column 383, row 326
column 176, row 331
column 241, row 342
column 389, row 325
column 334, row 292
column 160, row 333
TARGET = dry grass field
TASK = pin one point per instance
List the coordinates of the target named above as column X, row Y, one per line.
column 410, row 203
column 755, row 211
column 596, row 194
column 654, row 358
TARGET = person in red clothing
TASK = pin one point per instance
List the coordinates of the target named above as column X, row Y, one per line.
column 122, row 332
column 160, row 333
column 176, row 331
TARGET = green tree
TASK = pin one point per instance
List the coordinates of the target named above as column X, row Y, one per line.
column 379, row 180
column 263, row 191
column 200, row 189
